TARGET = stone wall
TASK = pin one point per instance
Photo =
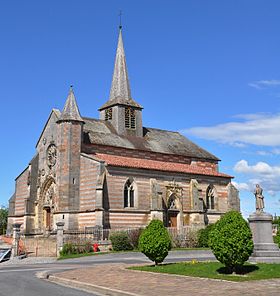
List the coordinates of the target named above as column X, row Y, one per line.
column 40, row 246
column 88, row 183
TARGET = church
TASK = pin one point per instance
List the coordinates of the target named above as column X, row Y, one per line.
column 115, row 173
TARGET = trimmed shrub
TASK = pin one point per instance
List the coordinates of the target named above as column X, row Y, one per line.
column 155, row 242
column 120, row 241
column 203, row 236
column 231, row 241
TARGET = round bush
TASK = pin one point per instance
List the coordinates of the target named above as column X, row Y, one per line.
column 203, row 236
column 120, row 241
column 155, row 242
column 231, row 241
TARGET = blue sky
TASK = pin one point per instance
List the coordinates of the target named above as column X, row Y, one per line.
column 209, row 69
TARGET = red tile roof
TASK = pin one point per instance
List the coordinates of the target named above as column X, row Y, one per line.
column 131, row 162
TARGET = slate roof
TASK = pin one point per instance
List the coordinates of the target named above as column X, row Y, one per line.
column 131, row 162
column 101, row 132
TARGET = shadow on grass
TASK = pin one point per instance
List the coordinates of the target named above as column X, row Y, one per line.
column 241, row 270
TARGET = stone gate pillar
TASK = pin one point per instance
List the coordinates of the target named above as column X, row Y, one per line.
column 59, row 237
column 16, row 237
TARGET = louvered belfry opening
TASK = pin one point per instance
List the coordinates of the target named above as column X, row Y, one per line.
column 130, row 121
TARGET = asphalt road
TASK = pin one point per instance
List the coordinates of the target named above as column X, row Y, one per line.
column 21, row 280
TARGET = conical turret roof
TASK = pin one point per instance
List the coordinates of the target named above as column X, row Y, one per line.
column 71, row 111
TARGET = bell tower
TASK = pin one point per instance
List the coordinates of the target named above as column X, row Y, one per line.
column 121, row 110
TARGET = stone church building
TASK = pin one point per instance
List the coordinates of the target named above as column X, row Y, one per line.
column 113, row 172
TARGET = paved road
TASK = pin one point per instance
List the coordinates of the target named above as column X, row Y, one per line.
column 21, row 280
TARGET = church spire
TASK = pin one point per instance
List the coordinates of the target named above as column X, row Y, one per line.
column 70, row 111
column 120, row 83
column 124, row 114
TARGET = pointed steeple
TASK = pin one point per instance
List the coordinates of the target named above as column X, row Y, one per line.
column 123, row 113
column 70, row 111
column 120, row 93
column 120, row 84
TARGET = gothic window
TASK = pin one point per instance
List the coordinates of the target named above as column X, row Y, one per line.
column 108, row 114
column 129, row 194
column 210, row 197
column 130, row 120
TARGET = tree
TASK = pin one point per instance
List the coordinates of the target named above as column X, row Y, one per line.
column 3, row 219
column 231, row 241
column 155, row 241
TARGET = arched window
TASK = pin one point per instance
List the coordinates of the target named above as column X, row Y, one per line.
column 211, row 195
column 129, row 194
column 172, row 202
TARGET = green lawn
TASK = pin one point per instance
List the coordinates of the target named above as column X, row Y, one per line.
column 216, row 270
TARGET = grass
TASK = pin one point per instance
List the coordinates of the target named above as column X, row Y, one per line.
column 216, row 270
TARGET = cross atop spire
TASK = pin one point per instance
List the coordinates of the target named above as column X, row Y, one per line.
column 120, row 87
column 70, row 111
column 120, row 15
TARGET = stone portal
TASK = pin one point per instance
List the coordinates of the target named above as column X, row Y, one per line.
column 173, row 210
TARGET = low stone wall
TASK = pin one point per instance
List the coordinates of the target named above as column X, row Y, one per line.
column 40, row 246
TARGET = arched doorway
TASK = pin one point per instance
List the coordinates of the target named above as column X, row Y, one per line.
column 46, row 206
column 172, row 205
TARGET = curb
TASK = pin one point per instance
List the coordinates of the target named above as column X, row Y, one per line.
column 88, row 287
column 43, row 274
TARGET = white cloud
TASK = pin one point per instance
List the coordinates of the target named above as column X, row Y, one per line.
column 261, row 129
column 252, row 116
column 261, row 84
column 276, row 151
column 260, row 173
column 272, row 152
column 264, row 153
column 241, row 186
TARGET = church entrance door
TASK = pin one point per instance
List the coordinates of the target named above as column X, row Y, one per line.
column 48, row 218
column 172, row 218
